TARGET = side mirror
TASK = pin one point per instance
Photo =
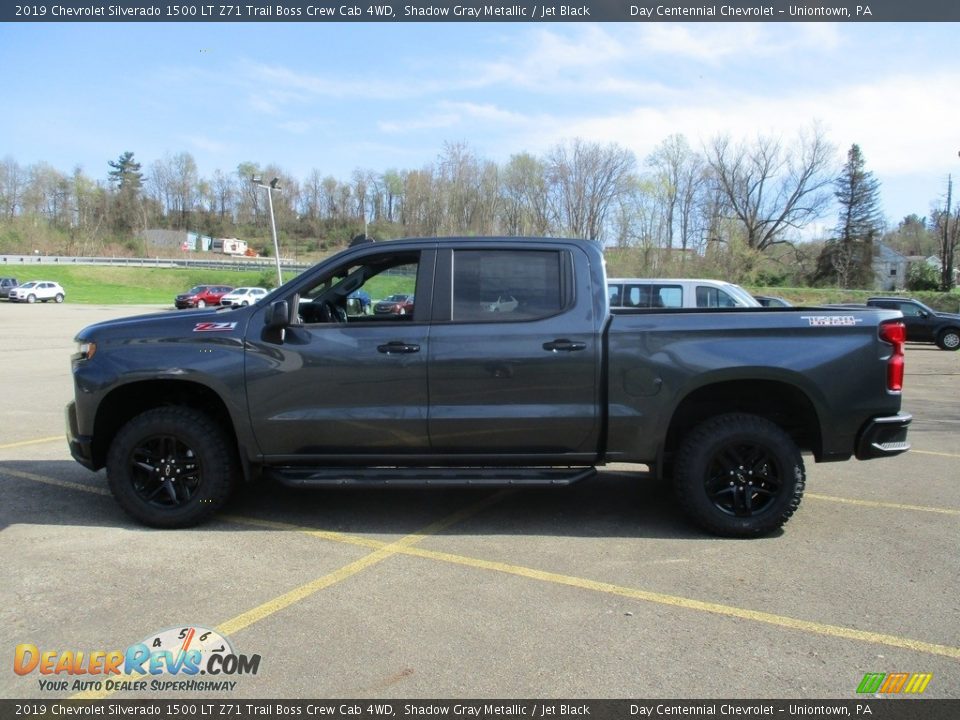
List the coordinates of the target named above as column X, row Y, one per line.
column 277, row 316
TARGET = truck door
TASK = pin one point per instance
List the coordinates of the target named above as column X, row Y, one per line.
column 348, row 378
column 514, row 353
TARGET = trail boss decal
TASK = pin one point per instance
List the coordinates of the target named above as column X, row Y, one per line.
column 831, row 320
column 214, row 327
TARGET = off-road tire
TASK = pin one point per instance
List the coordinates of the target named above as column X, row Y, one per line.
column 171, row 467
column 738, row 475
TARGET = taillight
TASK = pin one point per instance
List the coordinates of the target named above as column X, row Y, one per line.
column 894, row 333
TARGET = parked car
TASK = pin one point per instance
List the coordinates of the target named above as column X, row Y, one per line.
column 243, row 296
column 42, row 290
column 772, row 301
column 677, row 293
column 501, row 303
column 924, row 324
column 398, row 304
column 201, row 296
column 6, row 285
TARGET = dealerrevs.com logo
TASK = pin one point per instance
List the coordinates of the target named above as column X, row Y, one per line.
column 171, row 660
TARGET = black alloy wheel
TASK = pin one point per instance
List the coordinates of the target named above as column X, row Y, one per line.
column 739, row 475
column 171, row 467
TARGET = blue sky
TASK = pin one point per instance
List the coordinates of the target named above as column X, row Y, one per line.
column 340, row 96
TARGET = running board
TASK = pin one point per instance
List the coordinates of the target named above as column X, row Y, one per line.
column 429, row 476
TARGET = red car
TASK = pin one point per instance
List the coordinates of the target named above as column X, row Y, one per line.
column 201, row 296
column 394, row 305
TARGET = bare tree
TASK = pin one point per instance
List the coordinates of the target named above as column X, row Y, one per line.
column 948, row 229
column 524, row 207
column 223, row 190
column 586, row 179
column 11, row 187
column 770, row 188
column 680, row 176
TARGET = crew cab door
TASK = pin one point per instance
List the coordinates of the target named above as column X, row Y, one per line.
column 342, row 380
column 514, row 354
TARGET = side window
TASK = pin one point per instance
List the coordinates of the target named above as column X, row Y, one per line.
column 375, row 288
column 908, row 309
column 499, row 285
column 614, row 292
column 648, row 295
column 708, row 297
column 670, row 296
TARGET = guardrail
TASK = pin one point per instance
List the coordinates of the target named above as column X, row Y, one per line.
column 11, row 262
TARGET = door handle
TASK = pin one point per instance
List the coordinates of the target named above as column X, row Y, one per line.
column 398, row 347
column 564, row 345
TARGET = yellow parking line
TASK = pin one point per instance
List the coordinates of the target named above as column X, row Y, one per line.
column 406, row 546
column 931, row 452
column 37, row 441
column 885, row 505
column 383, row 551
column 53, row 481
column 783, row 621
column 824, row 629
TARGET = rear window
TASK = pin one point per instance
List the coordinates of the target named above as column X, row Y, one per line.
column 498, row 285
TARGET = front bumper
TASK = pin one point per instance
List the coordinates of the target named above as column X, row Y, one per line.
column 81, row 446
column 884, row 437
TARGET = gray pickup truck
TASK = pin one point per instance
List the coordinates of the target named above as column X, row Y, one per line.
column 504, row 364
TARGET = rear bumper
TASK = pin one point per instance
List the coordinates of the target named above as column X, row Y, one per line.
column 81, row 446
column 884, row 437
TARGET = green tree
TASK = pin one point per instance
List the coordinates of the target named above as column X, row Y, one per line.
column 860, row 219
column 127, row 183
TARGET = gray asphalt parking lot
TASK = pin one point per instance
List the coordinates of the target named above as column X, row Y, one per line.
column 597, row 590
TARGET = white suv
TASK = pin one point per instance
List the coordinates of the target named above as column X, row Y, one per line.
column 34, row 290
column 677, row 293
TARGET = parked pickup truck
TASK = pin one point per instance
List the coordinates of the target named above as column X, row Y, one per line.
column 180, row 407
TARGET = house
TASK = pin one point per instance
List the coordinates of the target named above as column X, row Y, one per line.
column 889, row 268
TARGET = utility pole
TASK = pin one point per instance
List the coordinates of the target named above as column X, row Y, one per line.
column 273, row 224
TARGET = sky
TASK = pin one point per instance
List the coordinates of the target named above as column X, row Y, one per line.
column 336, row 97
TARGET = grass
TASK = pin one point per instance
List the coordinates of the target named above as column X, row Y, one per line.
column 95, row 284
column 104, row 285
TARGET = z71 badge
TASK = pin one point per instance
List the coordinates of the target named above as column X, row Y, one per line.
column 214, row 327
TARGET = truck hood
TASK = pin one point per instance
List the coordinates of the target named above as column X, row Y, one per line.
column 170, row 322
column 948, row 316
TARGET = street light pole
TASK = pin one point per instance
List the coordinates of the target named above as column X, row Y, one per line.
column 273, row 224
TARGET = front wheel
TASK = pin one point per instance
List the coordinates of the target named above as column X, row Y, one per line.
column 739, row 475
column 201, row 303
column 949, row 339
column 31, row 298
column 171, row 467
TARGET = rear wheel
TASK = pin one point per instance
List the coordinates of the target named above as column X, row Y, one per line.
column 59, row 298
column 171, row 467
column 739, row 475
column 949, row 339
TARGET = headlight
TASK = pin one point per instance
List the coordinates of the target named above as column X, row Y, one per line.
column 86, row 349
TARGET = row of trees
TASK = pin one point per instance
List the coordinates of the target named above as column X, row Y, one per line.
column 747, row 200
